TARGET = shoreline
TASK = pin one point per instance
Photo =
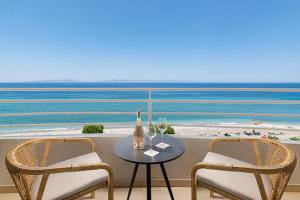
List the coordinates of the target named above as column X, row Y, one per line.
column 67, row 128
column 281, row 132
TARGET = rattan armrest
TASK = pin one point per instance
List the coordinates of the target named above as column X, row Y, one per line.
column 250, row 140
column 82, row 167
column 73, row 139
column 236, row 168
column 12, row 161
column 63, row 169
column 48, row 142
column 253, row 141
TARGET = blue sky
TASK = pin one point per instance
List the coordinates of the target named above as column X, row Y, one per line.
column 203, row 41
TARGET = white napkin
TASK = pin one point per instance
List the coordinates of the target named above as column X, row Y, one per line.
column 162, row 145
column 151, row 153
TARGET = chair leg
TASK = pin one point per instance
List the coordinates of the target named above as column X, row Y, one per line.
column 110, row 188
column 194, row 188
column 93, row 195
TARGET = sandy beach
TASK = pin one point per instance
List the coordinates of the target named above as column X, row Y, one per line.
column 282, row 132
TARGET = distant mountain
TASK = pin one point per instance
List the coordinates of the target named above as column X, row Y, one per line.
column 107, row 81
column 57, row 81
column 142, row 81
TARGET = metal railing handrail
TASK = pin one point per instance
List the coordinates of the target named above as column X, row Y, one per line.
column 74, row 101
column 65, row 113
column 158, row 89
column 286, row 102
column 150, row 102
column 153, row 113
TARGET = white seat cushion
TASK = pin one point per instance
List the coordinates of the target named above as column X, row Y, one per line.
column 62, row 185
column 242, row 185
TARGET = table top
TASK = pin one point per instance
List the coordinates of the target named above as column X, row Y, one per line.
column 124, row 149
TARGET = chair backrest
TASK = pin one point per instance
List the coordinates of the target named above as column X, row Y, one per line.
column 279, row 156
column 280, row 161
column 24, row 155
column 23, row 162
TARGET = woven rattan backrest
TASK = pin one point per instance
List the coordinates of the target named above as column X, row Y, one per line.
column 279, row 155
column 24, row 155
column 275, row 156
column 23, row 164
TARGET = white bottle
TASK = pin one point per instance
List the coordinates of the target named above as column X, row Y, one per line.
column 138, row 135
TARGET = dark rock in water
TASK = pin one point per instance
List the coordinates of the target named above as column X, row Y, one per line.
column 227, row 135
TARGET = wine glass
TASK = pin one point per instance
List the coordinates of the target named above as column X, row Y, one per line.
column 162, row 126
column 151, row 133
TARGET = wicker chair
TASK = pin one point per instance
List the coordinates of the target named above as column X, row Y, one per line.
column 235, row 179
column 69, row 179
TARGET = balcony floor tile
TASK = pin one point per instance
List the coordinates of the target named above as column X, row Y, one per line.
column 157, row 193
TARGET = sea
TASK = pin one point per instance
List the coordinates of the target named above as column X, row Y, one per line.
column 60, row 122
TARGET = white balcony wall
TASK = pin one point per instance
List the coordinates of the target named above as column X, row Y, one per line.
column 178, row 170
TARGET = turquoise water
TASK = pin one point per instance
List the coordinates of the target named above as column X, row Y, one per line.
column 131, row 107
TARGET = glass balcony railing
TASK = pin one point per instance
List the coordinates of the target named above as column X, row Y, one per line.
column 33, row 108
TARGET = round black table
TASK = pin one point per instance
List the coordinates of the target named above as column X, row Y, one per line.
column 124, row 149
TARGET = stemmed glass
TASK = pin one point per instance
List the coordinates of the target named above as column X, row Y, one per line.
column 151, row 133
column 163, row 126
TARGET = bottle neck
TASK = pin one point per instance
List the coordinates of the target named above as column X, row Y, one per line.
column 139, row 122
column 139, row 118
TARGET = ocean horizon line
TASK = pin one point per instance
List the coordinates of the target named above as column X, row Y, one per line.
column 150, row 81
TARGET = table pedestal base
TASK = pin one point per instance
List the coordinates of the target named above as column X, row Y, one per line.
column 148, row 173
